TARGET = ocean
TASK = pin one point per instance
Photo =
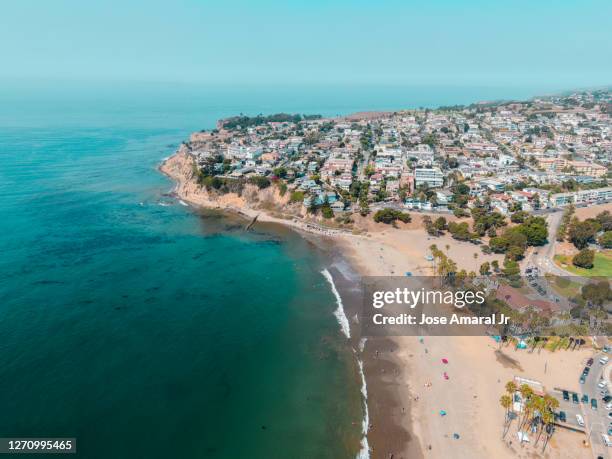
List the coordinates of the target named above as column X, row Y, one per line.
column 145, row 328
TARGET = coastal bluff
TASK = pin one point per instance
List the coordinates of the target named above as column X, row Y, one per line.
column 182, row 168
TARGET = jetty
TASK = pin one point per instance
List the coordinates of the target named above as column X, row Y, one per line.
column 250, row 225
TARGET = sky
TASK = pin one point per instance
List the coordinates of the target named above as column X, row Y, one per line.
column 557, row 44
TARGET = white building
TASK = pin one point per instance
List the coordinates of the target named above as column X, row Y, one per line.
column 433, row 177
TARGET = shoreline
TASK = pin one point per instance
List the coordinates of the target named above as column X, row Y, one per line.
column 376, row 425
column 404, row 386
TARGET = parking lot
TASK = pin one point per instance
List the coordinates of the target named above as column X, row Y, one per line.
column 590, row 405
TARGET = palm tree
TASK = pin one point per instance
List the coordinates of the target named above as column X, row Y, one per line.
column 506, row 402
column 542, row 409
column 528, row 402
column 511, row 387
column 549, row 426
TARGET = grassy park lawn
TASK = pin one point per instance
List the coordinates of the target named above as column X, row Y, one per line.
column 602, row 266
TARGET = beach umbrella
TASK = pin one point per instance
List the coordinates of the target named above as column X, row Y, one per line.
column 446, row 375
column 456, row 436
column 444, row 360
column 442, row 413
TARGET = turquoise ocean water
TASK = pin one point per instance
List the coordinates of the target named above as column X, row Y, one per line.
column 144, row 329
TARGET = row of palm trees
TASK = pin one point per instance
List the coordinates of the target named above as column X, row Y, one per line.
column 538, row 411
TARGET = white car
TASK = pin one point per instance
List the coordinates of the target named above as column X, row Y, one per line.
column 580, row 420
column 609, row 406
column 604, row 360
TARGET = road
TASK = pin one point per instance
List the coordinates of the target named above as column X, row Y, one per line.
column 362, row 167
column 543, row 257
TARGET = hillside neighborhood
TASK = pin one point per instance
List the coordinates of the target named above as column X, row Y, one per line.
column 545, row 153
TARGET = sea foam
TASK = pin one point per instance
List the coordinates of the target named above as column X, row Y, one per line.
column 339, row 312
column 364, row 452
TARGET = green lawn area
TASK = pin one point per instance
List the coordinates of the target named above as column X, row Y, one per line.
column 602, row 266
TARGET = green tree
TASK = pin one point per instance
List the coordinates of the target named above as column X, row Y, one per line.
column 535, row 229
column 597, row 293
column 388, row 215
column 485, row 268
column 605, row 220
column 511, row 268
column 584, row 259
column 460, row 231
column 605, row 240
column 519, row 217
column 440, row 224
column 280, row 172
column 582, row 233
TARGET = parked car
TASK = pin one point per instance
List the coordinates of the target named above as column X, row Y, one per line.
column 586, row 371
column 609, row 406
column 604, row 360
column 601, row 384
column 607, row 398
column 585, row 398
column 575, row 397
column 566, row 396
column 594, row 403
column 562, row 416
column 580, row 420
column 590, row 362
column 582, row 378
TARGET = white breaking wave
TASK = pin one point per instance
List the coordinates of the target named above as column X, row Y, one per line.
column 183, row 203
column 339, row 312
column 364, row 452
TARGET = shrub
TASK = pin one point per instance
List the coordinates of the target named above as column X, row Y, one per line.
column 259, row 180
column 296, row 196
column 282, row 188
column 327, row 212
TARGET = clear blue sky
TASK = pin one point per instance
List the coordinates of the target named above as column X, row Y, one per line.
column 537, row 42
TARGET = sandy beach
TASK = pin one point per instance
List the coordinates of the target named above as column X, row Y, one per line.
column 408, row 389
column 405, row 383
